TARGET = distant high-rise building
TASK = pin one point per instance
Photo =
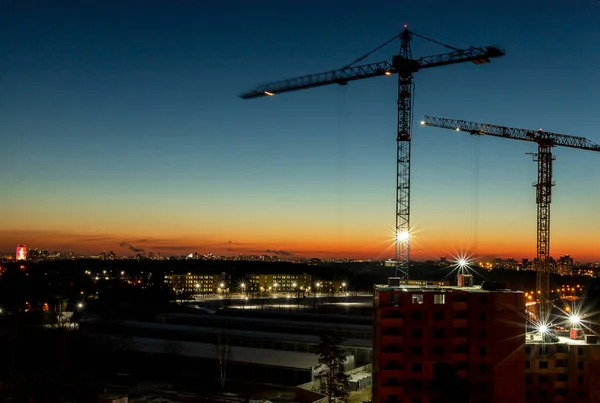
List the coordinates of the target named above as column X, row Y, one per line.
column 565, row 265
column 21, row 252
column 464, row 344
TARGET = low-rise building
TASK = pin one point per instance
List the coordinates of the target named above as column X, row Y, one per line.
column 197, row 283
column 279, row 283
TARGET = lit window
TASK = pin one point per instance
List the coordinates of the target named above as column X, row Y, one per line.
column 417, row 298
column 439, row 299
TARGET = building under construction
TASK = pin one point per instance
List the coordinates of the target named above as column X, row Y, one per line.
column 478, row 335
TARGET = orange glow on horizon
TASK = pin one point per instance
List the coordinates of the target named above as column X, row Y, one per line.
column 326, row 244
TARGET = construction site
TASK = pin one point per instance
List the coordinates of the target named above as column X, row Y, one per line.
column 413, row 375
column 453, row 332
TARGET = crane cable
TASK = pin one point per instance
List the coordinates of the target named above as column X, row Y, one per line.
column 363, row 57
column 436, row 42
column 342, row 163
column 475, row 154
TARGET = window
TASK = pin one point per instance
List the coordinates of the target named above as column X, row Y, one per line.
column 416, row 367
column 415, row 400
column 482, row 351
column 543, row 379
column 439, row 299
column 527, row 365
column 483, row 368
column 544, row 350
column 543, row 364
column 417, row 333
column 438, row 333
column 579, row 351
column 438, row 350
column 483, row 335
column 461, row 349
column 560, row 364
column 561, row 377
column 460, row 315
column 462, row 331
column 528, row 379
column 527, row 350
column 561, row 348
column 580, row 366
column 580, row 379
column 483, row 317
column 483, row 300
column 417, row 315
column 417, row 298
column 438, row 316
column 417, row 350
column 417, row 384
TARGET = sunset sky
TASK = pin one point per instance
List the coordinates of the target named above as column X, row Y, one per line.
column 120, row 124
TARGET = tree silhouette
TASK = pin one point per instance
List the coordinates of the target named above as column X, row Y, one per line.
column 332, row 357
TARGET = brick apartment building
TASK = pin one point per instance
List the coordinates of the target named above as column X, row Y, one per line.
column 480, row 333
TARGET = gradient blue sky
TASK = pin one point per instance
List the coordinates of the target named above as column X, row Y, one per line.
column 120, row 122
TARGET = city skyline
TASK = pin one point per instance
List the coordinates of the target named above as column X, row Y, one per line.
column 126, row 251
column 123, row 127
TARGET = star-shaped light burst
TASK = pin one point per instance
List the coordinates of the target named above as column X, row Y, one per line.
column 402, row 236
column 574, row 315
column 406, row 237
column 461, row 263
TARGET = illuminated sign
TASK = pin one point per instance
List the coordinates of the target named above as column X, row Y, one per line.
column 21, row 252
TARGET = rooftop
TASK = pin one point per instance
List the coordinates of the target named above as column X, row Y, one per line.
column 257, row 356
column 360, row 343
column 441, row 288
column 537, row 339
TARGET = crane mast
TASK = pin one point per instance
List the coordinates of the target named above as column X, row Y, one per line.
column 403, row 148
column 543, row 197
column 405, row 66
column 545, row 141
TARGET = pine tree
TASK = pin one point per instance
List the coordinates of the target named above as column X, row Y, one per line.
column 335, row 382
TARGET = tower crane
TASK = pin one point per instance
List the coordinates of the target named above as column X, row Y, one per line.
column 545, row 141
column 404, row 66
